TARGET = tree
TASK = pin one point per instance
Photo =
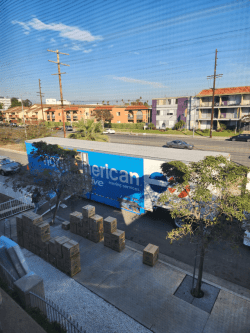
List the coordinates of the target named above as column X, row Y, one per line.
column 27, row 103
column 89, row 130
column 103, row 115
column 14, row 102
column 209, row 198
column 146, row 104
column 1, row 113
column 59, row 170
column 179, row 125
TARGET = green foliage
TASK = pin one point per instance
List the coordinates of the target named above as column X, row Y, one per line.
column 104, row 115
column 151, row 125
column 89, row 130
column 178, row 170
column 179, row 125
column 127, row 125
column 14, row 102
column 223, row 127
column 27, row 103
column 1, row 106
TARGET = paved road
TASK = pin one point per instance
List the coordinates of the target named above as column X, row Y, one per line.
column 240, row 151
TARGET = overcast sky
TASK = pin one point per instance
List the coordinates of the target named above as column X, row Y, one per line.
column 122, row 49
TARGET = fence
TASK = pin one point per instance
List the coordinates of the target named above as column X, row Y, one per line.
column 53, row 313
column 47, row 307
column 14, row 206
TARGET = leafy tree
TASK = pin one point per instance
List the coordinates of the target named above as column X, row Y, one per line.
column 14, row 102
column 89, row 130
column 103, row 115
column 209, row 198
column 27, row 103
column 151, row 125
column 1, row 106
column 1, row 113
column 146, row 104
column 66, row 175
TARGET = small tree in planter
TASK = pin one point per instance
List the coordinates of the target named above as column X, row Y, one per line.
column 209, row 201
column 59, row 170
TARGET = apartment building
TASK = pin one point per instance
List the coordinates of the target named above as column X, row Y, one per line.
column 6, row 102
column 31, row 115
column 166, row 112
column 72, row 113
column 230, row 106
column 127, row 113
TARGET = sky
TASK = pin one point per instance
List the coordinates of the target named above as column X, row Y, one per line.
column 122, row 50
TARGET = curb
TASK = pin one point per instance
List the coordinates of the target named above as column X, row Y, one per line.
column 14, row 151
column 177, row 135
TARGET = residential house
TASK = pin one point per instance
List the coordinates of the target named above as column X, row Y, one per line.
column 6, row 102
column 230, row 106
column 166, row 112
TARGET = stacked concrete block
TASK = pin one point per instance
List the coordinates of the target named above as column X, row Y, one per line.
column 150, row 254
column 75, row 222
column 113, row 238
column 95, row 228
column 34, row 235
column 66, row 225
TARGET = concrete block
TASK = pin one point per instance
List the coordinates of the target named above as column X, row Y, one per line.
column 96, row 223
column 150, row 254
column 110, row 225
column 70, row 248
column 59, row 242
column 18, row 260
column 29, row 283
column 88, row 211
column 118, row 236
column 66, row 225
column 95, row 236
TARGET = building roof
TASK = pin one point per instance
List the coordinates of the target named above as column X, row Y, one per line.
column 225, row 91
column 136, row 107
column 104, row 108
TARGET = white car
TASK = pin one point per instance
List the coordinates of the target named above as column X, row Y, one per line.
column 109, row 131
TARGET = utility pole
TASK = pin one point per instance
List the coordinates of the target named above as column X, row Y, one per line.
column 214, row 77
column 60, row 82
column 41, row 97
column 24, row 119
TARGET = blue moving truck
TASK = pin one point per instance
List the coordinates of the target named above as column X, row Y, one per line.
column 124, row 176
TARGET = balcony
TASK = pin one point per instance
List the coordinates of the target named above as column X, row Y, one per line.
column 139, row 117
column 53, row 117
column 130, row 117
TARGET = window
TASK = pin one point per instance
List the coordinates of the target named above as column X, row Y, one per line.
column 169, row 101
column 157, row 123
column 170, row 114
column 158, row 112
column 60, row 121
column 163, row 125
column 59, row 114
column 176, row 101
column 118, row 113
column 118, row 122
column 87, row 113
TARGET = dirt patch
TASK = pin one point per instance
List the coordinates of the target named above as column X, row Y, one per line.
column 14, row 146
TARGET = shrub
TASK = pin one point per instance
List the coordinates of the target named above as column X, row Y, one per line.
column 151, row 125
column 223, row 127
column 179, row 125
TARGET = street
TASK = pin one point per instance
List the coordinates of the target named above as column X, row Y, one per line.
column 152, row 228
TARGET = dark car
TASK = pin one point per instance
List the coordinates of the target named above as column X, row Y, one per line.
column 241, row 137
column 8, row 166
column 13, row 125
column 179, row 144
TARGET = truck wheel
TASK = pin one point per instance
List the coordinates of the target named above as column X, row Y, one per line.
column 178, row 223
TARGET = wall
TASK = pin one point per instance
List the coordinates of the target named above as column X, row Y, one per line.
column 182, row 106
column 154, row 101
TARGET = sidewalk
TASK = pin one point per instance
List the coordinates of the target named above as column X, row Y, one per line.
column 152, row 295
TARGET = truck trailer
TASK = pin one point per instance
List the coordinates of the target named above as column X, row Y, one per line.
column 124, row 176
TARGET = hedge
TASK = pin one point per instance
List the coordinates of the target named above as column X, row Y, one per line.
column 125, row 125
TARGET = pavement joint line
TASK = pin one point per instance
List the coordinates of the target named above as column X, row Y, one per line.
column 196, row 276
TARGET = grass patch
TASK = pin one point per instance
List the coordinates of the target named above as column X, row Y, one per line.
column 35, row 313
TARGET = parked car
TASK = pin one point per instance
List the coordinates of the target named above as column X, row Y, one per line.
column 68, row 128
column 8, row 166
column 13, row 125
column 179, row 144
column 109, row 131
column 241, row 137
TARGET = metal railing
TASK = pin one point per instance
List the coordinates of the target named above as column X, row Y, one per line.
column 14, row 206
column 7, row 277
column 54, row 313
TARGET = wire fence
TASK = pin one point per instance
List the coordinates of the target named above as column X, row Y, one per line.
column 54, row 313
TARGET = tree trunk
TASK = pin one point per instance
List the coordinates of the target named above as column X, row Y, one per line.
column 57, row 203
column 197, row 289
